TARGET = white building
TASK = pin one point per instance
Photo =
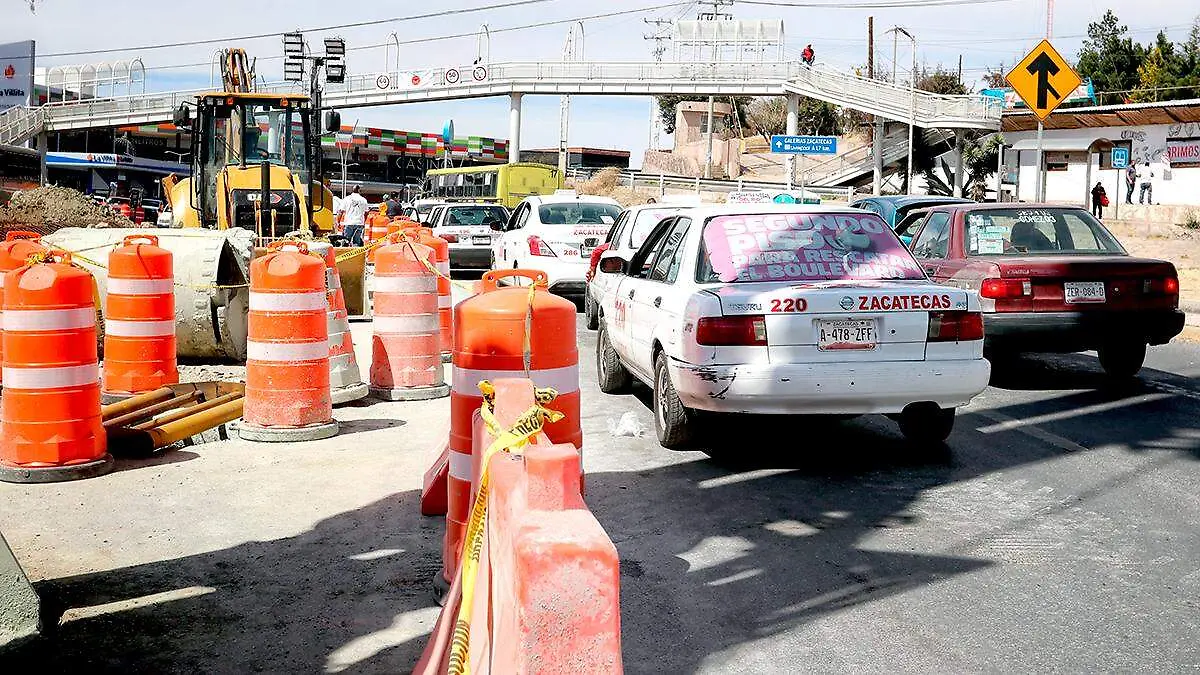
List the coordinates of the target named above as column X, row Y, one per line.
column 1077, row 146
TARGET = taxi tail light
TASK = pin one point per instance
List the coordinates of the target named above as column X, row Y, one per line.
column 1003, row 289
column 749, row 330
column 955, row 326
column 450, row 238
column 539, row 247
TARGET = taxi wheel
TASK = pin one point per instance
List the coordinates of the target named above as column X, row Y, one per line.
column 611, row 374
column 926, row 423
column 674, row 423
column 591, row 316
column 1122, row 360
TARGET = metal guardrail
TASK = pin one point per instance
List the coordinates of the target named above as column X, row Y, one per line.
column 18, row 124
column 635, row 179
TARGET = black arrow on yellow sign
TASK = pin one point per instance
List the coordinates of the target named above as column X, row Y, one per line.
column 1044, row 67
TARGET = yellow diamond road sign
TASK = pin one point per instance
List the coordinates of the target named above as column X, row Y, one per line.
column 1043, row 79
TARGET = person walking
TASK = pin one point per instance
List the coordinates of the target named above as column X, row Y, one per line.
column 1099, row 200
column 1130, row 182
column 808, row 55
column 354, row 216
column 1146, row 188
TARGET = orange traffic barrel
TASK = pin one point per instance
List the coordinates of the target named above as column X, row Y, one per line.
column 139, row 319
column 50, row 422
column 345, row 379
column 377, row 228
column 406, row 364
column 507, row 332
column 15, row 250
column 441, row 249
column 287, row 351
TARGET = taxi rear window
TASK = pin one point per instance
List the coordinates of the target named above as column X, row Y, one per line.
column 578, row 213
column 475, row 215
column 802, row 247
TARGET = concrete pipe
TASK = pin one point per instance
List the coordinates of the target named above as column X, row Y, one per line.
column 211, row 272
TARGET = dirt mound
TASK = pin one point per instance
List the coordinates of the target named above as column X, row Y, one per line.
column 46, row 209
column 602, row 183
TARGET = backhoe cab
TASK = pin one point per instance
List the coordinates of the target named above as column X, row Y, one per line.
column 252, row 166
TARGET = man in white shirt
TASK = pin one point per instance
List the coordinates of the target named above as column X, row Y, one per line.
column 1146, row 176
column 354, row 210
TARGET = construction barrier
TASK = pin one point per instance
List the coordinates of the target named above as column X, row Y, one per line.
column 441, row 249
column 50, row 422
column 405, row 362
column 345, row 379
column 15, row 250
column 139, row 319
column 539, row 587
column 287, row 363
column 507, row 332
column 377, row 229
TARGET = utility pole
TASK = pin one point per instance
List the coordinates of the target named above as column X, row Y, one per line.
column 877, row 141
column 715, row 15
column 960, row 69
column 660, row 35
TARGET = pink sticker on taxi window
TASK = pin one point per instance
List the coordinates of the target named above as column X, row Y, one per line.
column 805, row 247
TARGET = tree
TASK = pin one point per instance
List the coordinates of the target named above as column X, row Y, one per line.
column 993, row 78
column 939, row 81
column 979, row 164
column 768, row 116
column 1110, row 58
column 1153, row 74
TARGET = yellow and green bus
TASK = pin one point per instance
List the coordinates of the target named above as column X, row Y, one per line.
column 505, row 184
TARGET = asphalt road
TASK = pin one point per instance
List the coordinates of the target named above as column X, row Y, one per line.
column 1056, row 533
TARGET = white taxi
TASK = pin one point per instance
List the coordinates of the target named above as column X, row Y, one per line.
column 625, row 238
column 556, row 234
column 787, row 309
column 469, row 228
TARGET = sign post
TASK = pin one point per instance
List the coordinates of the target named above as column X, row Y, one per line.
column 1120, row 160
column 1042, row 79
column 803, row 145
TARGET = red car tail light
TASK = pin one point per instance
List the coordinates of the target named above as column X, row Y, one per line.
column 450, row 238
column 1002, row 289
column 1161, row 286
column 728, row 331
column 539, row 247
column 955, row 326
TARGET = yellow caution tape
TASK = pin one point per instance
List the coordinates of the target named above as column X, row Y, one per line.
column 510, row 440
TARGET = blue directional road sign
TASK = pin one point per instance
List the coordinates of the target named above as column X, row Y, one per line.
column 1120, row 158
column 804, row 145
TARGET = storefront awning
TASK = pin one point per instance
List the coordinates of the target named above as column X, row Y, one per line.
column 1063, row 144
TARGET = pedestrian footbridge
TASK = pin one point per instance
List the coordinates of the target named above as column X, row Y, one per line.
column 552, row 78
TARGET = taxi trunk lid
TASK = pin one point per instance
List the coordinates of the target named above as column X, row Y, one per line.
column 1093, row 282
column 573, row 241
column 837, row 322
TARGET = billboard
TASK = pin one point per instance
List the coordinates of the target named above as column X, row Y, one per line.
column 16, row 74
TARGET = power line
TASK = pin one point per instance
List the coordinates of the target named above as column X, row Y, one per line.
column 871, row 4
column 259, row 36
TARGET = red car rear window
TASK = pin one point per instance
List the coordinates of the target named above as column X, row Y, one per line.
column 803, row 247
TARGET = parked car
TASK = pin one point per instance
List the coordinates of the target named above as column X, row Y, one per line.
column 626, row 237
column 1052, row 279
column 556, row 234
column 469, row 228
column 893, row 208
column 786, row 309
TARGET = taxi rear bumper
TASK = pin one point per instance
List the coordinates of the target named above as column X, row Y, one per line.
column 828, row 388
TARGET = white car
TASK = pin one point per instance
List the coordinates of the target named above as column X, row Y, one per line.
column 556, row 234
column 787, row 309
column 469, row 228
column 625, row 238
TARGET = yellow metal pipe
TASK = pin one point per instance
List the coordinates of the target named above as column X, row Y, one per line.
column 186, row 412
column 193, row 424
column 152, row 410
column 131, row 404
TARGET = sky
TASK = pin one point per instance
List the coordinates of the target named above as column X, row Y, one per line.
column 986, row 33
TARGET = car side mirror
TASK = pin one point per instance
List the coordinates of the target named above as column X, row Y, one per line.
column 499, row 227
column 613, row 264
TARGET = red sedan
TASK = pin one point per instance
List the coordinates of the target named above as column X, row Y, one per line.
column 1051, row 279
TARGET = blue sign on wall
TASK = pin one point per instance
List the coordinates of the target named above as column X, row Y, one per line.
column 804, row 145
column 1120, row 158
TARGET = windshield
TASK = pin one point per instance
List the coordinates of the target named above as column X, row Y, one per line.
column 803, row 247
column 578, row 213
column 645, row 222
column 476, row 215
column 1037, row 231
